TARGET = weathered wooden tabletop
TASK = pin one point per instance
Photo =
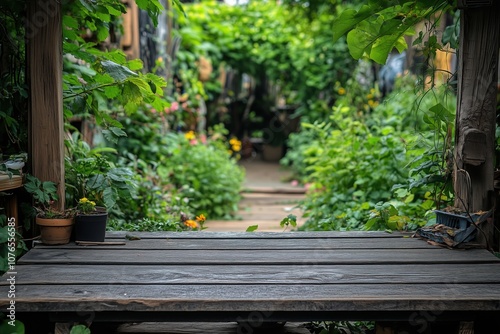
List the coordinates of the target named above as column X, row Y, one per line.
column 296, row 276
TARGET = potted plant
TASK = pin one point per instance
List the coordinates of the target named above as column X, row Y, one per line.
column 55, row 225
column 89, row 173
column 90, row 221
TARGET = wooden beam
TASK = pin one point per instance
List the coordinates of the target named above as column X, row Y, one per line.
column 44, row 58
column 476, row 108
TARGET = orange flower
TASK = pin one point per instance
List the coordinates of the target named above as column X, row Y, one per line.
column 190, row 223
column 201, row 218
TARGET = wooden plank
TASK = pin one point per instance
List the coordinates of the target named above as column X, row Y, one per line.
column 205, row 328
column 10, row 182
column 256, row 235
column 229, row 257
column 235, row 244
column 257, row 274
column 264, row 298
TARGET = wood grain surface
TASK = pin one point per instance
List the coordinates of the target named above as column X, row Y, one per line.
column 223, row 273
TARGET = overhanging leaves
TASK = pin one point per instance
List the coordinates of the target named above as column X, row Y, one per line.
column 379, row 27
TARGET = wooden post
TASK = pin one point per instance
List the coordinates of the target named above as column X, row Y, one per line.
column 130, row 40
column 44, row 61
column 476, row 108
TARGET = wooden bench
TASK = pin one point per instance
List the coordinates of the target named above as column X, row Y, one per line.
column 257, row 278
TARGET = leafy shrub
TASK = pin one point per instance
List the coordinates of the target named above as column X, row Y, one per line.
column 371, row 168
column 91, row 173
column 178, row 173
column 205, row 175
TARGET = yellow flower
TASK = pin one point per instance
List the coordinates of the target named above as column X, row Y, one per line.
column 341, row 91
column 201, row 218
column 236, row 147
column 369, row 96
column 83, row 200
column 190, row 135
column 190, row 223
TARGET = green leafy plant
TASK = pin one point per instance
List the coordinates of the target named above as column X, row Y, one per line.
column 381, row 167
column 44, row 194
column 290, row 220
column 91, row 174
column 203, row 174
column 94, row 75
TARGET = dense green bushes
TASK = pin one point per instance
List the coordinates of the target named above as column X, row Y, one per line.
column 262, row 39
column 178, row 174
column 369, row 165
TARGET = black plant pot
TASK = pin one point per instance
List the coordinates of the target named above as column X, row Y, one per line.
column 91, row 227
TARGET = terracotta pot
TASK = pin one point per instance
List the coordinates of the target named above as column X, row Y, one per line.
column 91, row 227
column 55, row 231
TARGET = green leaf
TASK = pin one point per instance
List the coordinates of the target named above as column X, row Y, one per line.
column 112, row 92
column 384, row 45
column 79, row 329
column 109, row 136
column 179, row 6
column 88, row 4
column 349, row 18
column 252, row 228
column 117, row 71
column 118, row 132
column 109, row 195
column 135, row 64
column 102, row 32
column 113, row 11
column 96, row 182
column 142, row 84
column 70, row 22
column 289, row 220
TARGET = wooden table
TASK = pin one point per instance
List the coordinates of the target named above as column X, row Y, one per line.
column 259, row 277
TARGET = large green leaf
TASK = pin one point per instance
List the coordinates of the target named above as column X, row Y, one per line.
column 350, row 18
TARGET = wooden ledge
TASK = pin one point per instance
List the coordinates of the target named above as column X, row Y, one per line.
column 7, row 182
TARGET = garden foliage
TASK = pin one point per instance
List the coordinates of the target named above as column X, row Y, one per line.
column 380, row 167
column 280, row 43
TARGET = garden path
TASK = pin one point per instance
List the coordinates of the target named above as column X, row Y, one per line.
column 268, row 197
